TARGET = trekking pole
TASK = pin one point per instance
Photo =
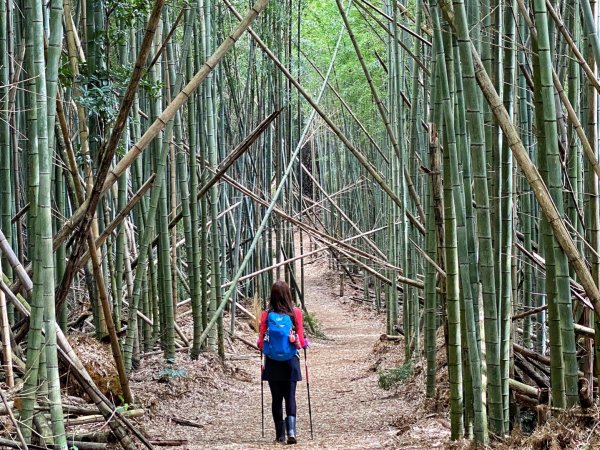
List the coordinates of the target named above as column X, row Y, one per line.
column 262, row 395
column 308, row 392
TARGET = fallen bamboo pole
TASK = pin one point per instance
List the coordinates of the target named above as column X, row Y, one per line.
column 534, row 179
column 83, row 420
column 168, row 113
column 5, row 334
column 523, row 388
column 70, row 357
column 13, row 420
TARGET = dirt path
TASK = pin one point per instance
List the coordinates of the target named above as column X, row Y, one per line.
column 350, row 411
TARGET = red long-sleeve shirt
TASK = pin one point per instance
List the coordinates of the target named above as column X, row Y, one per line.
column 299, row 328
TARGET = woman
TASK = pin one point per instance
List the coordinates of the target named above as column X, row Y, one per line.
column 282, row 369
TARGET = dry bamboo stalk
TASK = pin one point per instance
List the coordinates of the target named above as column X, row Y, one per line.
column 68, row 354
column 530, row 171
column 12, row 297
column 15, row 263
column 561, row 27
column 310, row 230
column 241, row 339
column 530, row 354
column 529, row 312
column 230, row 159
column 110, row 326
column 13, row 420
column 571, row 114
column 68, row 148
column 99, row 418
column 576, row 288
column 162, row 120
column 523, row 388
column 104, row 405
column 6, row 348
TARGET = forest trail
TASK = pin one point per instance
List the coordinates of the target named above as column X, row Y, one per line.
column 349, row 409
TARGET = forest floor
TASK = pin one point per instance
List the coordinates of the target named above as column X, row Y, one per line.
column 214, row 404
column 349, row 409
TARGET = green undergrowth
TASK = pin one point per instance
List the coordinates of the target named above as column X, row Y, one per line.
column 313, row 326
column 390, row 378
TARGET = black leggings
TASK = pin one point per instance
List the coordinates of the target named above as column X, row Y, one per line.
column 281, row 390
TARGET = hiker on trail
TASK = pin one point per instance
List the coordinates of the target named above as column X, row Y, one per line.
column 281, row 335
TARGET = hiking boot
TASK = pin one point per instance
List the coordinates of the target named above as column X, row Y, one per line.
column 280, row 432
column 290, row 422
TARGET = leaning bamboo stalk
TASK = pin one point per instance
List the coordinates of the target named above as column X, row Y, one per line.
column 310, row 230
column 108, row 230
column 333, row 203
column 534, row 179
column 235, row 154
column 301, row 256
column 99, row 418
column 529, row 312
column 110, row 325
column 206, row 228
column 13, row 260
column 386, row 121
column 403, row 27
column 524, row 388
column 69, row 355
column 576, row 288
column 375, row 96
column 348, row 109
column 108, row 149
column 122, row 215
column 563, row 30
column 572, row 115
column 5, row 333
column 12, row 297
column 589, row 21
column 402, row 44
column 68, row 150
column 336, row 130
column 167, row 114
column 13, row 420
column 112, row 416
column 272, row 205
column 335, row 242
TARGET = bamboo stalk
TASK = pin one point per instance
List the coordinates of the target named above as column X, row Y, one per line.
column 6, row 346
column 168, row 113
column 531, row 173
column 13, row 420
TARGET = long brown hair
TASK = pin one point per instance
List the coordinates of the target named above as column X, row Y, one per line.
column 281, row 299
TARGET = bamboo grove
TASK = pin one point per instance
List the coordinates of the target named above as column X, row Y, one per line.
column 161, row 160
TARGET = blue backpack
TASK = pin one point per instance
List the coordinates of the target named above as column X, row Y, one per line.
column 277, row 343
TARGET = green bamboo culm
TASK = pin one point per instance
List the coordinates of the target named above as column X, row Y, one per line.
column 42, row 304
column 450, row 171
column 6, row 194
column 490, row 344
column 555, row 186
